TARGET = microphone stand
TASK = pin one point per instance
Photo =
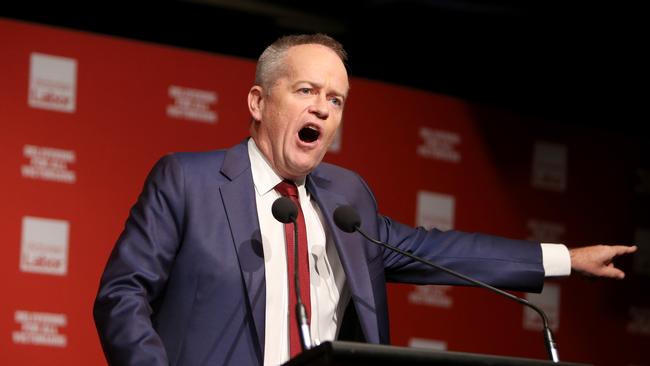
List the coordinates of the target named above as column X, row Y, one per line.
column 286, row 211
column 301, row 312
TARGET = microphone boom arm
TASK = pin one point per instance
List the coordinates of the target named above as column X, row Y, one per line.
column 551, row 346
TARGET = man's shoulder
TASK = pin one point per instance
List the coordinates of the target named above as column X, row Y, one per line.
column 337, row 177
column 332, row 170
column 212, row 159
column 342, row 181
column 207, row 164
column 195, row 162
column 198, row 157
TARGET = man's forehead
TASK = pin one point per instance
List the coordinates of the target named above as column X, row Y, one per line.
column 314, row 54
column 318, row 65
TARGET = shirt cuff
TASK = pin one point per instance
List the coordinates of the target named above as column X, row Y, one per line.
column 556, row 260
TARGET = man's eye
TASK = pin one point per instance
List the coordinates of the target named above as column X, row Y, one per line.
column 304, row 90
column 336, row 101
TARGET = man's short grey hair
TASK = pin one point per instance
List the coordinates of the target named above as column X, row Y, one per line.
column 270, row 65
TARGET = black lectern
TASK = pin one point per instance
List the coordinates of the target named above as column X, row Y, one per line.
column 360, row 354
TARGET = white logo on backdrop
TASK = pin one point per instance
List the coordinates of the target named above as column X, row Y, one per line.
column 192, row 104
column 549, row 302
column 431, row 344
column 47, row 163
column 44, row 246
column 549, row 166
column 545, row 231
column 439, row 145
column 52, row 82
column 639, row 322
column 435, row 210
column 40, row 329
column 434, row 296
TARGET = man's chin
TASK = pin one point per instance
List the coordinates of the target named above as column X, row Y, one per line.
column 300, row 170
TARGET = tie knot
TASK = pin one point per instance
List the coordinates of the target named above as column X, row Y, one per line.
column 287, row 188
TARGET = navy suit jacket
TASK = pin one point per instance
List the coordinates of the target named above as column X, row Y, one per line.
column 184, row 284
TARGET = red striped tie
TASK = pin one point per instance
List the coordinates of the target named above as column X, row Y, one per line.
column 289, row 189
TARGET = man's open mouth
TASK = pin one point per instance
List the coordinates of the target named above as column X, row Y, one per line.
column 308, row 134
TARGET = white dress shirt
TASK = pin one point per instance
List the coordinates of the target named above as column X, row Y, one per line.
column 329, row 295
column 328, row 290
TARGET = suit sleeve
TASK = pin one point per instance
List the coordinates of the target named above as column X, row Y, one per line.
column 498, row 261
column 138, row 268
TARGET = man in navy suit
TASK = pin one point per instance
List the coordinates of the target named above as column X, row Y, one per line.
column 199, row 274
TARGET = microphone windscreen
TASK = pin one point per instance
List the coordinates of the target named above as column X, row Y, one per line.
column 284, row 210
column 347, row 218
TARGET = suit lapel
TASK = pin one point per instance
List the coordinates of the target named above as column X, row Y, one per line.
column 241, row 209
column 351, row 251
column 238, row 197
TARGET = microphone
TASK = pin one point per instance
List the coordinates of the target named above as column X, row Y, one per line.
column 347, row 219
column 285, row 211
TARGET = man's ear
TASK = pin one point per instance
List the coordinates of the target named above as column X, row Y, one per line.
column 256, row 102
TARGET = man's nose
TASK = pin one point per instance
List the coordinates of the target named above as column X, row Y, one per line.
column 319, row 107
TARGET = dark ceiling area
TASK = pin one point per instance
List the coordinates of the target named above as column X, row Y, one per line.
column 560, row 60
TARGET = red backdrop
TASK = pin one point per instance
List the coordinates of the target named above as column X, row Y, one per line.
column 84, row 117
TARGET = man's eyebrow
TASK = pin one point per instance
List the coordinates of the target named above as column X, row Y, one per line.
column 320, row 86
column 312, row 83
